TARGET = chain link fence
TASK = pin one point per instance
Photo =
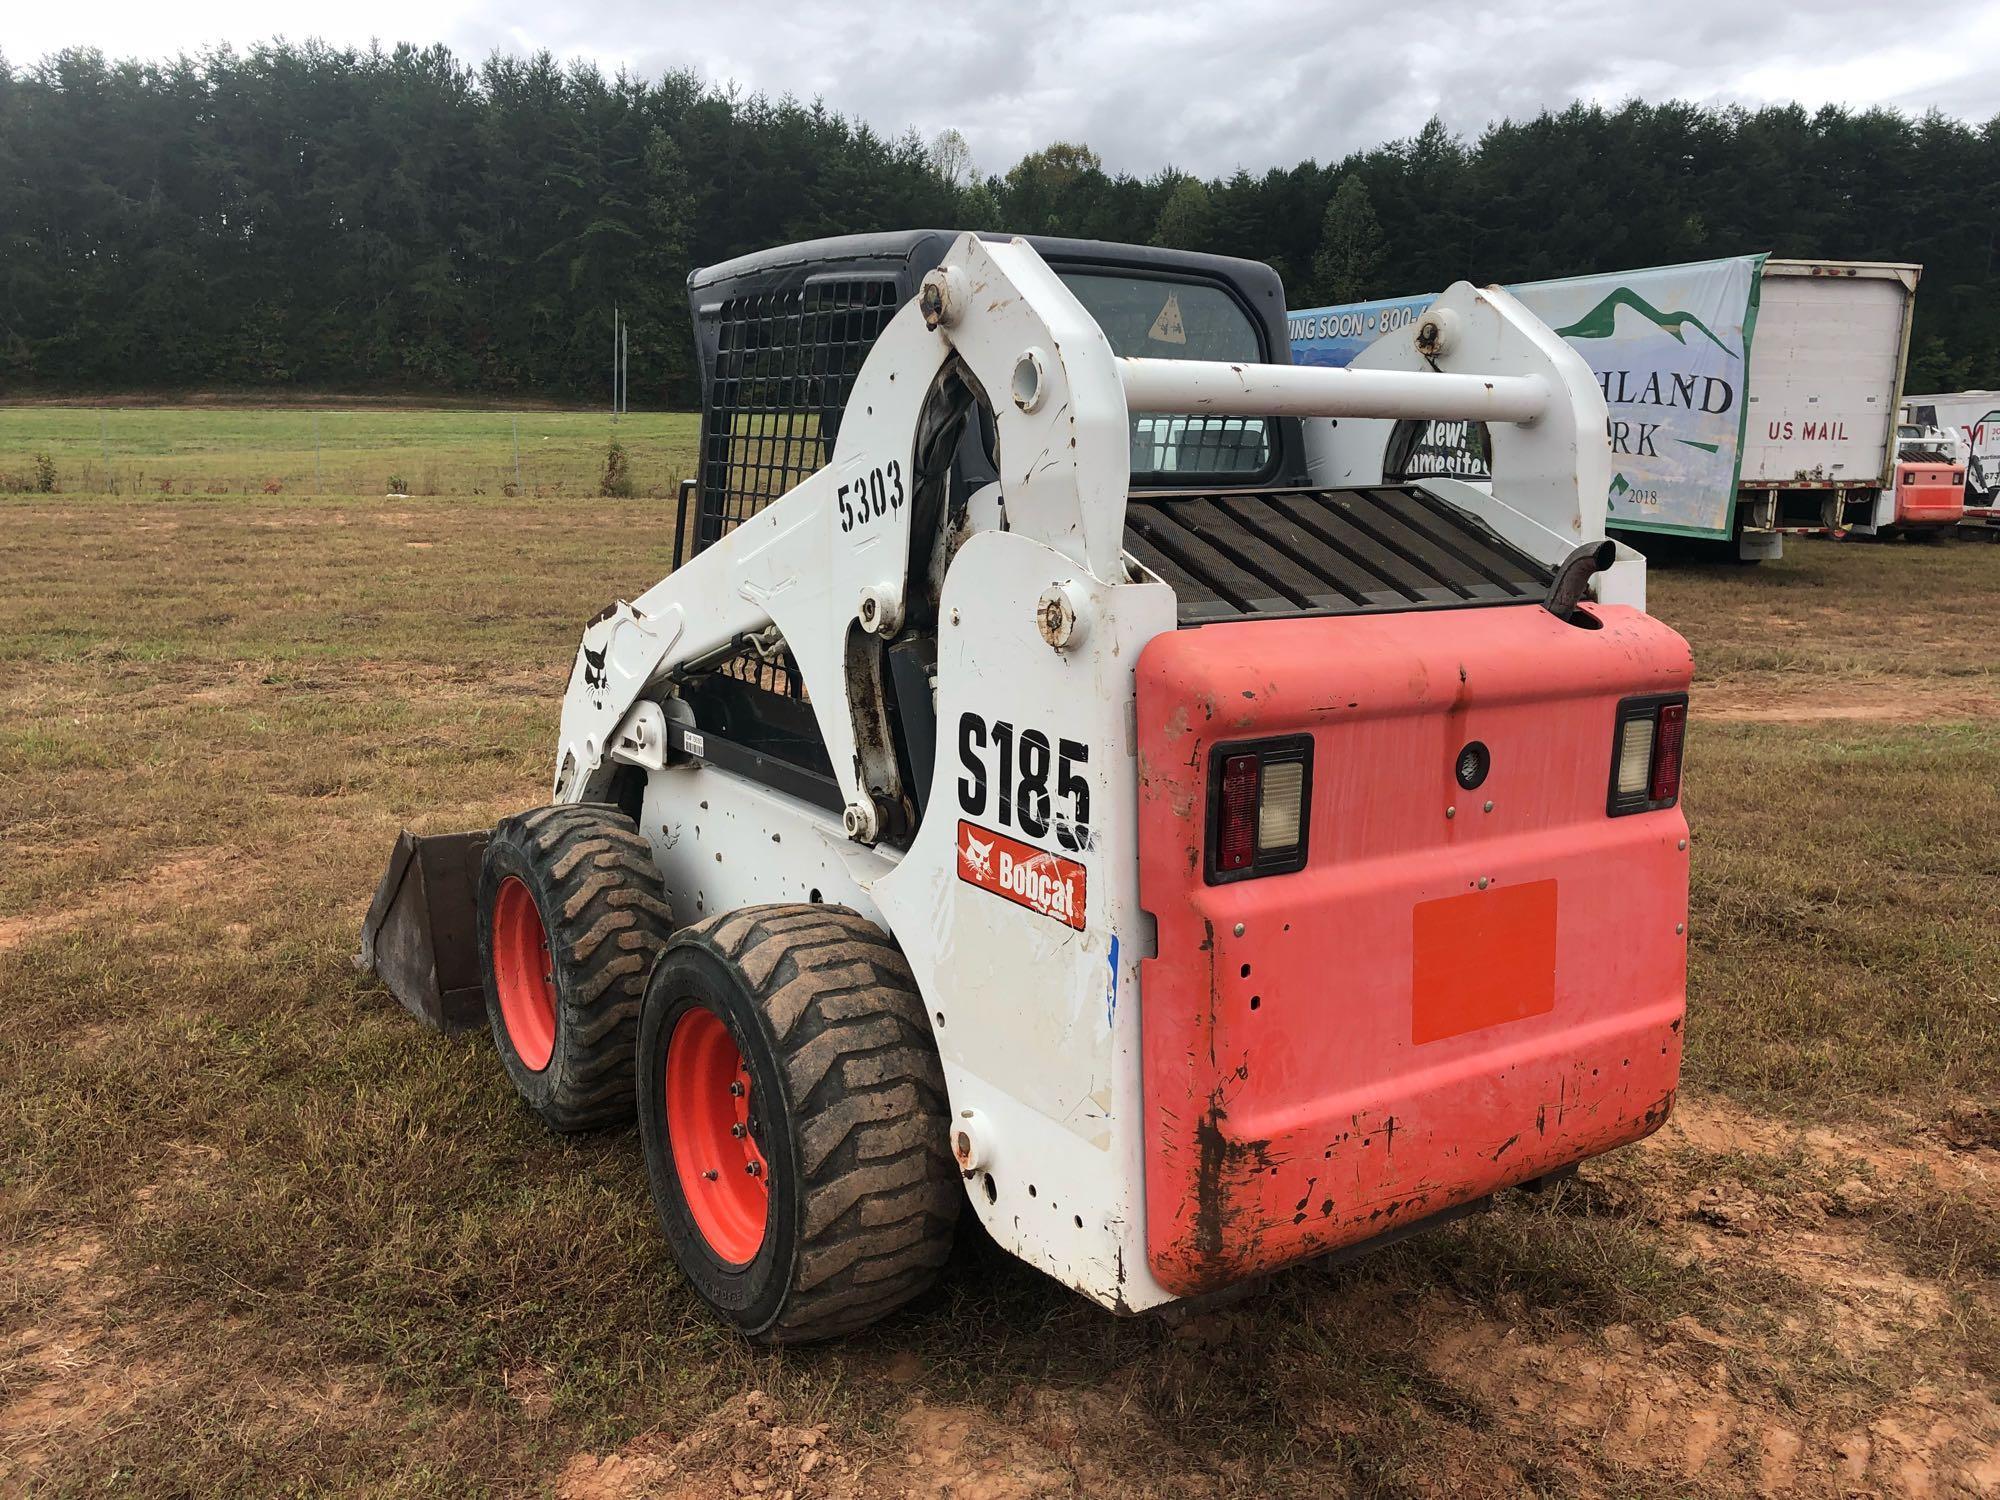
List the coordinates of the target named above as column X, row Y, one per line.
column 343, row 452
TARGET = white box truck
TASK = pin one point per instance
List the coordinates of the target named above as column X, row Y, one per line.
column 1748, row 396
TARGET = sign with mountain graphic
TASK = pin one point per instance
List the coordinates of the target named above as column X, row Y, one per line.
column 1601, row 322
column 1669, row 345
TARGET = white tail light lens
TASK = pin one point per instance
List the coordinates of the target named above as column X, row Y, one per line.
column 1635, row 758
column 1280, row 803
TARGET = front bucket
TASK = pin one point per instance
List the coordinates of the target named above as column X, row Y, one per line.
column 421, row 936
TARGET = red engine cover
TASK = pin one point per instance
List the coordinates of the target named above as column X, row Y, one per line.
column 1926, row 496
column 1450, row 997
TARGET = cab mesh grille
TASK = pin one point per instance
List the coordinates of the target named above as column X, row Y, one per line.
column 785, row 362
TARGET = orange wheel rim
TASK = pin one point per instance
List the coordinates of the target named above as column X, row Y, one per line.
column 723, row 1176
column 524, row 974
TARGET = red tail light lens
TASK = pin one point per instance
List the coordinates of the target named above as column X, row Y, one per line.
column 1646, row 744
column 1236, row 821
column 1259, row 801
column 1665, row 782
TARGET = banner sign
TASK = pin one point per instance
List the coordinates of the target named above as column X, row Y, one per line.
column 1669, row 346
column 1334, row 335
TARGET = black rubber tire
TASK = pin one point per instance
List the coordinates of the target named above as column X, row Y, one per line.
column 864, row 1193
column 598, row 893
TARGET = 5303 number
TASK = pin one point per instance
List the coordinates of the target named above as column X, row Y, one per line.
column 874, row 495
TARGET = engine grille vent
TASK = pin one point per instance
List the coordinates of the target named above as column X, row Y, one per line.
column 1319, row 551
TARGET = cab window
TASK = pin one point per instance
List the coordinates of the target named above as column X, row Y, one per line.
column 1154, row 318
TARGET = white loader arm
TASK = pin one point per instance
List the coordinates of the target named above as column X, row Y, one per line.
column 830, row 560
column 825, row 567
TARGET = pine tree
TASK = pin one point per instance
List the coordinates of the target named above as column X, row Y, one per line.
column 1185, row 223
column 1350, row 246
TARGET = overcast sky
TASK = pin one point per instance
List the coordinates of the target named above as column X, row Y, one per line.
column 1205, row 87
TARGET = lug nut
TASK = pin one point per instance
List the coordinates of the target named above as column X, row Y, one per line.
column 710, row 1175
column 736, row 1089
column 737, row 1131
column 751, row 1167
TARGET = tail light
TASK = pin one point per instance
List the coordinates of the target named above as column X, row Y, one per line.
column 1958, row 476
column 1259, row 808
column 1646, row 744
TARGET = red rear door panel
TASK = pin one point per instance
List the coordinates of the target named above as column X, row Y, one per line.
column 1925, row 494
column 1448, row 998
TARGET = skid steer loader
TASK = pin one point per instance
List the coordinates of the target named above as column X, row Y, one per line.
column 1061, row 780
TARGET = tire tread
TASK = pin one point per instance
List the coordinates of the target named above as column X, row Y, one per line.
column 610, row 922
column 880, row 1192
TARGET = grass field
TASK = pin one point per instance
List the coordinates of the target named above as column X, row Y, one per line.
column 333, row 450
column 259, row 1233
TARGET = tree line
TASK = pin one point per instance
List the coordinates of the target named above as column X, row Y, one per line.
column 335, row 218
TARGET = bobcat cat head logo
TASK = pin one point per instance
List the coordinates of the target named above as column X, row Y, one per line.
column 594, row 676
column 978, row 857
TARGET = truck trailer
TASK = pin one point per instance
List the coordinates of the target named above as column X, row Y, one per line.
column 1748, row 397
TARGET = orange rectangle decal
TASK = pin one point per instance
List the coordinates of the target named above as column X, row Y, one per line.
column 1035, row 878
column 1482, row 959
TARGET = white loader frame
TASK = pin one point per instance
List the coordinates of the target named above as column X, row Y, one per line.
column 1042, row 619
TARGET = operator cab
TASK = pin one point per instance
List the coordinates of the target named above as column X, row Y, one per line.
column 782, row 334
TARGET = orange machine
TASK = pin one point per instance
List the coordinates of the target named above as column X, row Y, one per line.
column 1930, row 479
column 1929, row 494
column 1075, row 784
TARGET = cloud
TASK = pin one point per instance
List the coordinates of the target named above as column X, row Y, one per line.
column 1205, row 87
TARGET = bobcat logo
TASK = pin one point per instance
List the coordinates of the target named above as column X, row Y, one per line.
column 595, row 678
column 1039, row 879
column 977, row 857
